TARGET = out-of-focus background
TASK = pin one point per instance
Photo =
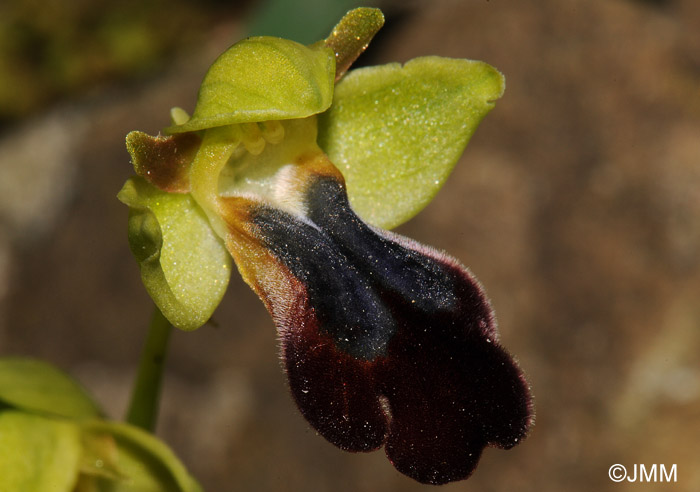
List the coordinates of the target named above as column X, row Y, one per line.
column 577, row 204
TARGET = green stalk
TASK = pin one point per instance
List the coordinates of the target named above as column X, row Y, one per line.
column 145, row 396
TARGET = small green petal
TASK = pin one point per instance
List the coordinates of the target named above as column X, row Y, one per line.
column 396, row 132
column 184, row 265
column 263, row 78
column 351, row 36
column 36, row 386
column 144, row 463
column 163, row 161
column 38, row 453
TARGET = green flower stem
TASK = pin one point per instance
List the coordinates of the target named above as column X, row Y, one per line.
column 143, row 408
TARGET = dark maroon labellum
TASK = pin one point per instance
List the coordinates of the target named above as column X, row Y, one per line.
column 392, row 343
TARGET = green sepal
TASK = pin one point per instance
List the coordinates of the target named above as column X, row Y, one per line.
column 38, row 453
column 396, row 132
column 263, row 78
column 184, row 265
column 138, row 461
column 38, row 387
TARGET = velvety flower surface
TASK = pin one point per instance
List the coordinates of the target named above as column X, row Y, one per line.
column 385, row 342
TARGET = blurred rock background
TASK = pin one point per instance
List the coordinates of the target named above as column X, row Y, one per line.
column 577, row 204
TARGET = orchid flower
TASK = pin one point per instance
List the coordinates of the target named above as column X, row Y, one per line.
column 292, row 169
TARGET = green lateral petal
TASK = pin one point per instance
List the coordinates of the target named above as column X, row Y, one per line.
column 184, row 265
column 36, row 386
column 38, row 453
column 263, row 78
column 351, row 36
column 164, row 161
column 144, row 463
column 396, row 132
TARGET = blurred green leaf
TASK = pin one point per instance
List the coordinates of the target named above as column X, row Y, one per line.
column 52, row 49
column 263, row 78
column 38, row 454
column 396, row 132
column 37, row 386
column 184, row 265
column 144, row 462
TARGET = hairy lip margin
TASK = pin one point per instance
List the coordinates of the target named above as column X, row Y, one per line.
column 389, row 342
